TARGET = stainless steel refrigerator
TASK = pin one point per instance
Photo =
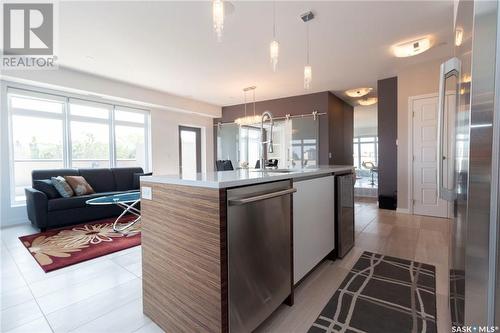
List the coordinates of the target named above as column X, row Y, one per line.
column 469, row 150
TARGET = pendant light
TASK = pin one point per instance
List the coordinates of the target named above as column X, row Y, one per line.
column 218, row 17
column 274, row 46
column 248, row 120
column 306, row 17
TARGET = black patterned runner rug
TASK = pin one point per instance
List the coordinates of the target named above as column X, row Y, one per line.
column 382, row 294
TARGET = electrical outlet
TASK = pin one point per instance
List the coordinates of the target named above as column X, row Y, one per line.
column 146, row 193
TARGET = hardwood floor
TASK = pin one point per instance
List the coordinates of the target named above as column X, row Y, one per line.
column 104, row 294
column 419, row 238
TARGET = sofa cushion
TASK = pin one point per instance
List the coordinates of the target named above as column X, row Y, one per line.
column 101, row 180
column 79, row 185
column 78, row 202
column 74, row 202
column 62, row 186
column 49, row 173
column 137, row 179
column 124, row 178
column 46, row 186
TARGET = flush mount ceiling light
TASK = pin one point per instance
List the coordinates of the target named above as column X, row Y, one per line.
column 218, row 17
column 248, row 120
column 368, row 101
column 306, row 17
column 412, row 48
column 274, row 47
column 358, row 92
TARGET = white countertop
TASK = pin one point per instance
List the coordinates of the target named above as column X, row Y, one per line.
column 225, row 179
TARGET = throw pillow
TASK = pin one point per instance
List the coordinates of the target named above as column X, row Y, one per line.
column 62, row 186
column 79, row 185
column 46, row 186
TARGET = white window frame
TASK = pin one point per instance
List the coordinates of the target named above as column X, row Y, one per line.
column 146, row 126
column 66, row 117
column 359, row 142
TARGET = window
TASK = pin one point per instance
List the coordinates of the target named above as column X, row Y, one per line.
column 130, row 137
column 90, row 134
column 37, row 138
column 50, row 131
column 365, row 149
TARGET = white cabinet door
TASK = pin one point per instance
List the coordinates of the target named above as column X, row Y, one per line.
column 313, row 223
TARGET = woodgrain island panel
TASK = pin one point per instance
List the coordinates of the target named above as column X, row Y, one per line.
column 184, row 258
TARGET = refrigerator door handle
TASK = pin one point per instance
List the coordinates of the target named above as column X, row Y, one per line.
column 449, row 69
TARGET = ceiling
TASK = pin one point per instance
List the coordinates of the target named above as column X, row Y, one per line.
column 171, row 46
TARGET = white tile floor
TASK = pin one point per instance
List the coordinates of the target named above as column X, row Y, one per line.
column 99, row 295
column 104, row 294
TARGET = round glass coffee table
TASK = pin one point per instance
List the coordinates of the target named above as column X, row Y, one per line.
column 127, row 201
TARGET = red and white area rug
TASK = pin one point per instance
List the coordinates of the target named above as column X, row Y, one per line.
column 67, row 246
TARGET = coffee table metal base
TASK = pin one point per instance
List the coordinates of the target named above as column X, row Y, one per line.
column 127, row 208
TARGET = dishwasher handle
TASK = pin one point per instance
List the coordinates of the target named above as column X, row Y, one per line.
column 243, row 201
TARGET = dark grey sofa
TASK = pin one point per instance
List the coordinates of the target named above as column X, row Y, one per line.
column 47, row 211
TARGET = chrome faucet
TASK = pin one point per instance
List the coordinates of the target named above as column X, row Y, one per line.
column 266, row 115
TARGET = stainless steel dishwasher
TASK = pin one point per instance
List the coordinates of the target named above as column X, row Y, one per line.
column 259, row 252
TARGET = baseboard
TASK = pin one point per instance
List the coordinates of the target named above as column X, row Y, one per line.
column 13, row 223
column 403, row 210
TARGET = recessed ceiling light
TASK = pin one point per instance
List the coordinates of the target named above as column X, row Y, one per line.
column 412, row 48
column 368, row 101
column 358, row 92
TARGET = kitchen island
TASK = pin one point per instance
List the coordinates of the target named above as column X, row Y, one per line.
column 222, row 250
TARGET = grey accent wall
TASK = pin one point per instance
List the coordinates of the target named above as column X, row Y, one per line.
column 387, row 118
column 341, row 130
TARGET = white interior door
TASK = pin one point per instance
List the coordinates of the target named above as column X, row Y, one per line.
column 425, row 122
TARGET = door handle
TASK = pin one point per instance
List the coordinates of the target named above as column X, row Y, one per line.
column 243, row 201
column 448, row 69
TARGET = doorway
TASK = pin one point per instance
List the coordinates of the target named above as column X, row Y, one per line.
column 424, row 198
column 189, row 151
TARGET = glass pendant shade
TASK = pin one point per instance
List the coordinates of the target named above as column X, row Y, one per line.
column 274, row 50
column 247, row 120
column 218, row 17
column 307, row 76
column 252, row 119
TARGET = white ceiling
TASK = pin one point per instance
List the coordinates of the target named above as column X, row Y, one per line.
column 171, row 46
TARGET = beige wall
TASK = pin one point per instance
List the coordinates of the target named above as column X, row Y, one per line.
column 416, row 80
column 165, row 140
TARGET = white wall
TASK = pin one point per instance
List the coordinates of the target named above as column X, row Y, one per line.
column 167, row 113
column 96, row 86
column 165, row 140
column 365, row 120
column 416, row 80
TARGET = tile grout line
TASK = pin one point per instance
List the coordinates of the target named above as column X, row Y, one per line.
column 31, row 292
column 46, row 314
column 103, row 314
